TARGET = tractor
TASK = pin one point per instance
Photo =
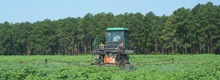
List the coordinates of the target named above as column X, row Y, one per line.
column 114, row 51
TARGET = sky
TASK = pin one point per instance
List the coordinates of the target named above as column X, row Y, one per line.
column 15, row 11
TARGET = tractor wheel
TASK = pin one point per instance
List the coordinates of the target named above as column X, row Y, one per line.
column 127, row 66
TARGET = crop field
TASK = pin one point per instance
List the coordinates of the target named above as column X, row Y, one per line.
column 77, row 67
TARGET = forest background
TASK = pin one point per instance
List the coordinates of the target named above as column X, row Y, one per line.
column 186, row 31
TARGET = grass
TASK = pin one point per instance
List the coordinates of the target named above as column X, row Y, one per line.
column 77, row 67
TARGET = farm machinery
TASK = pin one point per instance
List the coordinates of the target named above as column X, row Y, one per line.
column 114, row 51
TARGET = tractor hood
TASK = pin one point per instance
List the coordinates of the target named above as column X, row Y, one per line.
column 113, row 44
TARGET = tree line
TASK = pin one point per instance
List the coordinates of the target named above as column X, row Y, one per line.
column 186, row 31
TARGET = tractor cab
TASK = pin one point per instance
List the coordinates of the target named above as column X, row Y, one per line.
column 115, row 50
column 117, row 37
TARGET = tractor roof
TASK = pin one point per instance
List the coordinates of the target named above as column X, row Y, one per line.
column 117, row 29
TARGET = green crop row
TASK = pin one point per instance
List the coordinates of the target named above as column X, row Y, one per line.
column 146, row 67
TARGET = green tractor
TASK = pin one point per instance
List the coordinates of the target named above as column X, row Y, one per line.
column 115, row 50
